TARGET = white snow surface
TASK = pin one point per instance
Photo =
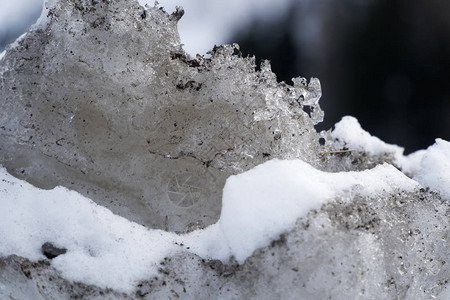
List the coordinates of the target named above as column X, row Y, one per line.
column 103, row 249
column 430, row 167
column 264, row 202
column 349, row 131
column 356, row 138
column 109, row 251
column 435, row 168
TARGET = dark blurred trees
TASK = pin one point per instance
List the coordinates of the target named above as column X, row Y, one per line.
column 385, row 62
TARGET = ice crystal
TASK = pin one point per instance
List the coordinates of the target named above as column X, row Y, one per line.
column 101, row 98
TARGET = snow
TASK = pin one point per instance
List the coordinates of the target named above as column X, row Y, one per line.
column 103, row 249
column 410, row 164
column 109, row 251
column 258, row 205
column 264, row 202
column 434, row 169
column 431, row 167
column 354, row 137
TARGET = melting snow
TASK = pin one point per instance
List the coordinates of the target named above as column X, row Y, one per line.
column 109, row 251
column 349, row 131
column 434, row 169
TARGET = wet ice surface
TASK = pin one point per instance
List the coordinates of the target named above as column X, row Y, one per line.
column 100, row 98
column 108, row 104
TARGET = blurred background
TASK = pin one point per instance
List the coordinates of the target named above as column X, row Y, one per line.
column 385, row 62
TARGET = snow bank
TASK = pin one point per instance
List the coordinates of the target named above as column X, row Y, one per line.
column 109, row 251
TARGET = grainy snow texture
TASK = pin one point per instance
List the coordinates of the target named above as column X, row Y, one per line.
column 108, row 251
column 154, row 175
column 111, row 252
column 265, row 202
column 349, row 136
column 434, row 169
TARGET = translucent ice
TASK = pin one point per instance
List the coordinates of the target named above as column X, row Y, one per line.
column 101, row 98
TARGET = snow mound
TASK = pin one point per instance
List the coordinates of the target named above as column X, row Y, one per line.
column 349, row 134
column 99, row 102
column 103, row 249
column 350, row 131
column 109, row 251
column 265, row 202
column 434, row 169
